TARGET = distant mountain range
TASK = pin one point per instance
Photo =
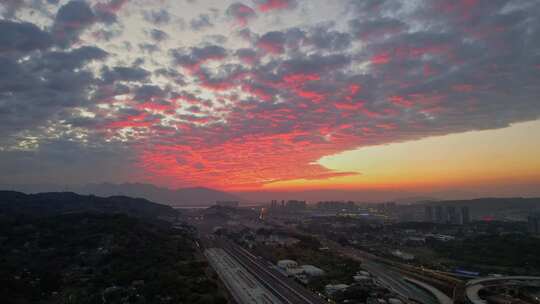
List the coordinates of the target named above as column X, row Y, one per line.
column 204, row 197
column 56, row 203
column 196, row 196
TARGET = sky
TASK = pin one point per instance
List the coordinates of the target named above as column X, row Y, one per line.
column 272, row 94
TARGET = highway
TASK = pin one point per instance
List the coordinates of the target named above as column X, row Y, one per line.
column 242, row 286
column 389, row 276
column 285, row 289
column 390, row 273
column 397, row 283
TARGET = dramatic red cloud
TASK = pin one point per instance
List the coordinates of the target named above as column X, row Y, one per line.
column 257, row 92
column 132, row 121
column 271, row 47
column 382, row 58
column 310, row 95
column 269, row 5
column 461, row 8
column 300, row 78
column 271, row 118
column 241, row 13
column 248, row 163
column 400, row 100
column 354, row 88
column 464, row 88
column 428, row 71
column 410, row 52
column 349, row 105
column 224, row 84
column 111, row 7
column 154, row 106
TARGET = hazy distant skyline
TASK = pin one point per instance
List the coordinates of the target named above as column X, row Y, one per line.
column 416, row 96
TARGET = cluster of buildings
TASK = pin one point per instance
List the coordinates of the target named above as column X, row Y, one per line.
column 369, row 286
column 376, row 294
column 403, row 255
column 276, row 240
column 336, row 205
column 291, row 205
column 456, row 215
column 301, row 272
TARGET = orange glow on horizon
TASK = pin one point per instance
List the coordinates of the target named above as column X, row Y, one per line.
column 473, row 159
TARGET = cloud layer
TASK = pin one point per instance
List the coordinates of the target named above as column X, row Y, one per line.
column 242, row 94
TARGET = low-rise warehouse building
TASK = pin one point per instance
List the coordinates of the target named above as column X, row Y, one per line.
column 312, row 271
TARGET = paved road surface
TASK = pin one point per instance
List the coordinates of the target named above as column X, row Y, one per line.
column 397, row 283
column 243, row 287
column 284, row 288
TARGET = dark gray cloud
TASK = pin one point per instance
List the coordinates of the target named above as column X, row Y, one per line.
column 241, row 13
column 157, row 17
column 248, row 56
column 376, row 8
column 124, row 74
column 74, row 59
column 22, row 37
column 107, row 11
column 201, row 22
column 272, row 42
column 193, row 57
column 41, row 89
column 327, row 39
column 158, row 35
column 71, row 20
column 146, row 92
column 66, row 161
column 10, row 7
column 376, row 29
column 149, row 47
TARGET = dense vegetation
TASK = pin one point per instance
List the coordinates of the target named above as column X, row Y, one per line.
column 68, row 248
column 338, row 269
column 511, row 253
column 47, row 204
column 91, row 258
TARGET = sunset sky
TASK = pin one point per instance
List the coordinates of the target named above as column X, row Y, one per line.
column 272, row 94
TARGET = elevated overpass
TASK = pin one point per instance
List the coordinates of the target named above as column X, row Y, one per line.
column 473, row 287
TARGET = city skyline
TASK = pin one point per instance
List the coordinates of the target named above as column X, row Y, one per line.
column 273, row 95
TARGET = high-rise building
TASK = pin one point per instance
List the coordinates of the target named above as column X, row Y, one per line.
column 440, row 214
column 534, row 223
column 428, row 214
column 465, row 215
column 263, row 214
column 447, row 214
column 453, row 217
column 294, row 205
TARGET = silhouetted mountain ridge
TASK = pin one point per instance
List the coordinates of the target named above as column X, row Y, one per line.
column 194, row 196
column 54, row 203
